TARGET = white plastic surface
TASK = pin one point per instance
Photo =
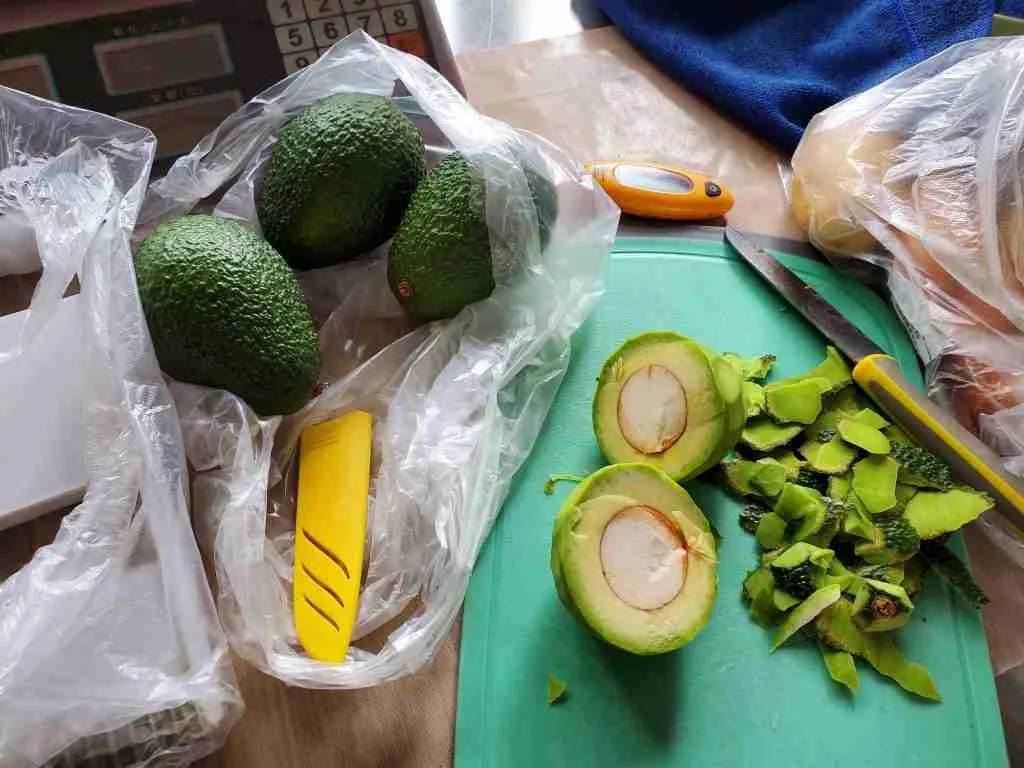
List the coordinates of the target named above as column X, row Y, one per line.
column 108, row 636
column 456, row 404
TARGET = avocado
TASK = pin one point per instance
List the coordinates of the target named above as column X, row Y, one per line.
column 665, row 400
column 634, row 559
column 936, row 513
column 440, row 260
column 753, row 399
column 874, row 483
column 833, row 369
column 795, row 401
column 225, row 311
column 829, row 458
column 864, row 436
column 750, row 368
column 338, row 179
column 763, row 434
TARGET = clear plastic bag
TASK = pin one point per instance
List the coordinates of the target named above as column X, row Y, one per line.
column 110, row 647
column 920, row 180
column 922, row 176
column 456, row 404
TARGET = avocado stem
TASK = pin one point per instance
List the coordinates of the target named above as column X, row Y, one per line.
column 549, row 485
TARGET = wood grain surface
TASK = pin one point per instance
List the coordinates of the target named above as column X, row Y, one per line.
column 406, row 724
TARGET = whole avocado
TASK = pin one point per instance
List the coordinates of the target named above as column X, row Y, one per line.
column 224, row 310
column 440, row 259
column 338, row 179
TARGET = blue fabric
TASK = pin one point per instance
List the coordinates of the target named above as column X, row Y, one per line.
column 774, row 64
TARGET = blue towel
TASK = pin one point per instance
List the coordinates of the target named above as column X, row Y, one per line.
column 773, row 64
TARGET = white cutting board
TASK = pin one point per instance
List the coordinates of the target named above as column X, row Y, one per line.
column 42, row 421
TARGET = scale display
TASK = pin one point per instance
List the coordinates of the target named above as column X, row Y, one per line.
column 179, row 68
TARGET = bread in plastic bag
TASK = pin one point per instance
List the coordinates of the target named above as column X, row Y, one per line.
column 457, row 405
column 922, row 177
column 110, row 648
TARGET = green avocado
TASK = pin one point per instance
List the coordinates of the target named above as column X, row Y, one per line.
column 633, row 559
column 796, row 401
column 666, row 400
column 440, row 260
column 338, row 179
column 225, row 311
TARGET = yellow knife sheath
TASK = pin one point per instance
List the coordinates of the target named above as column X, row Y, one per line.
column 330, row 527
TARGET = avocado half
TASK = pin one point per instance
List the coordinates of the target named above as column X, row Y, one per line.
column 634, row 560
column 666, row 400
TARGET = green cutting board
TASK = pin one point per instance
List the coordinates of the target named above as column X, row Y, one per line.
column 722, row 700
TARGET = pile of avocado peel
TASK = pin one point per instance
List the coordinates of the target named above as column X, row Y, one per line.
column 850, row 516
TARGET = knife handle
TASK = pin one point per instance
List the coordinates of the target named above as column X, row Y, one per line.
column 970, row 459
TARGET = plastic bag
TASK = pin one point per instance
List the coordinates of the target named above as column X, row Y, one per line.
column 921, row 180
column 456, row 404
column 109, row 643
column 922, row 176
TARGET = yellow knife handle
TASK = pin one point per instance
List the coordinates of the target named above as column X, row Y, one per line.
column 970, row 459
column 330, row 526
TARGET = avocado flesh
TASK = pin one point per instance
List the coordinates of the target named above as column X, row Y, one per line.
column 338, row 179
column 662, row 401
column 225, row 311
column 634, row 560
column 795, row 401
column 864, row 436
column 763, row 434
column 874, row 482
column 936, row 513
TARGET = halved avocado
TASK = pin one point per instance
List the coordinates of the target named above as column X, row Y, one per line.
column 665, row 400
column 634, row 559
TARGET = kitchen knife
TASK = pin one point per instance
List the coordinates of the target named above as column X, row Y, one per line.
column 878, row 374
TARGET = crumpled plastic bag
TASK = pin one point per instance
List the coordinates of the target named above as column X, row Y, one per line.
column 109, row 642
column 919, row 181
column 456, row 404
column 923, row 176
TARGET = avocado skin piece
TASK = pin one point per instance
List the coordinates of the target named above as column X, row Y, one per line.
column 440, row 259
column 656, row 632
column 225, row 311
column 338, row 179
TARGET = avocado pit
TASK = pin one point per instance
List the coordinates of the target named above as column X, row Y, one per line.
column 652, row 409
column 643, row 558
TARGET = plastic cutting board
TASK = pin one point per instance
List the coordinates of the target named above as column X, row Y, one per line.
column 722, row 700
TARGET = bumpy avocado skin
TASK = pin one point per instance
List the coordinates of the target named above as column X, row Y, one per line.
column 440, row 260
column 338, row 179
column 225, row 311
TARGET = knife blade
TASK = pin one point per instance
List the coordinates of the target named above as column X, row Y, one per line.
column 879, row 376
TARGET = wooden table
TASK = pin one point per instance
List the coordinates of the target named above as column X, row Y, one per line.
column 592, row 94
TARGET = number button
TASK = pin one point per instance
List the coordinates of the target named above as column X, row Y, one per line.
column 410, row 42
column 354, row 6
column 285, row 11
column 370, row 21
column 327, row 31
column 296, row 61
column 318, row 9
column 400, row 18
column 295, row 37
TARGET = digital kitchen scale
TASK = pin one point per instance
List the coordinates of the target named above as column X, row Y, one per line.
column 179, row 67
